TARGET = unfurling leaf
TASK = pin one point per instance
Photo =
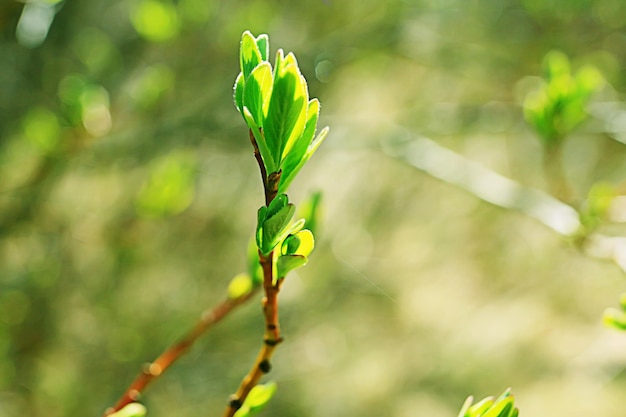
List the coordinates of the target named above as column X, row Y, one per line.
column 257, row 399
column 276, row 107
column 288, row 263
column 301, row 243
column 274, row 223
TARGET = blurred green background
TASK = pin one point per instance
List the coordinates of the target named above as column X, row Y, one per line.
column 128, row 193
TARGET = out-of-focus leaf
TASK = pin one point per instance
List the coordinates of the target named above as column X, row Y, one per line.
column 558, row 106
column 260, row 395
column 131, row 410
column 239, row 286
column 244, row 411
column 170, row 188
column 503, row 406
column 614, row 318
column 257, row 399
column 311, row 210
column 596, row 208
column 41, row 128
column 254, row 267
column 156, row 20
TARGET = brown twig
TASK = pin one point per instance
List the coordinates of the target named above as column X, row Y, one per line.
column 272, row 337
column 270, row 182
column 152, row 371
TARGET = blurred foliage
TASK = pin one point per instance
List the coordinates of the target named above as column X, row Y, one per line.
column 616, row 318
column 503, row 406
column 128, row 191
column 559, row 105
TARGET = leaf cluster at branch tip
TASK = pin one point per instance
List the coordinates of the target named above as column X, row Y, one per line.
column 275, row 105
column 558, row 106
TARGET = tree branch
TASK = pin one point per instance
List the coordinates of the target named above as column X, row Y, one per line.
column 152, row 371
column 272, row 337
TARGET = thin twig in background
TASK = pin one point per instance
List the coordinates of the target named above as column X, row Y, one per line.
column 154, row 370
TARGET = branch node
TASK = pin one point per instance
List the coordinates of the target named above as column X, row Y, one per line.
column 134, row 394
column 234, row 402
column 265, row 366
column 272, row 342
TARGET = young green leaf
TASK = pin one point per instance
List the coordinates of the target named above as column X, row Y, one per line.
column 273, row 222
column 257, row 91
column 238, row 92
column 280, row 201
column 298, row 151
column 285, row 181
column 274, row 228
column 287, row 263
column 290, row 245
column 263, row 44
column 260, row 395
column 300, row 243
column 259, row 137
column 287, row 106
column 302, row 98
column 249, row 54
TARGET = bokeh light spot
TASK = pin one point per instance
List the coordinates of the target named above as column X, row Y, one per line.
column 34, row 24
column 95, row 110
column 151, row 84
column 156, row 21
column 170, row 188
column 41, row 127
column 14, row 307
